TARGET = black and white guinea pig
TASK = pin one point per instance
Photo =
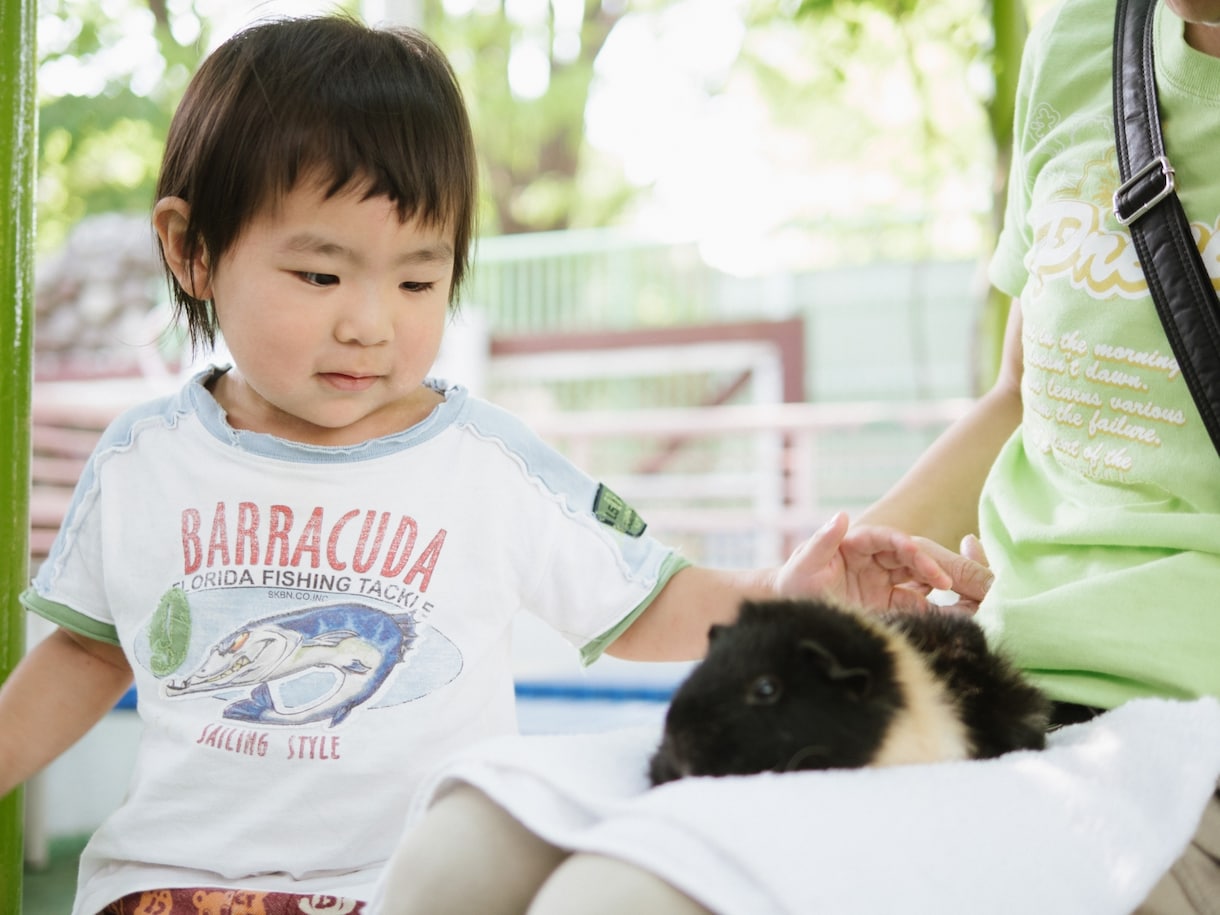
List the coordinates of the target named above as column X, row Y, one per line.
column 802, row 684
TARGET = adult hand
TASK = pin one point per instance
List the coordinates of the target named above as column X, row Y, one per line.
column 971, row 576
column 877, row 568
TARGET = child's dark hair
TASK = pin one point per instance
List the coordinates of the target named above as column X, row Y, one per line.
column 378, row 110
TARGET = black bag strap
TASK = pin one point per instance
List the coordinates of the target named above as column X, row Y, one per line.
column 1148, row 206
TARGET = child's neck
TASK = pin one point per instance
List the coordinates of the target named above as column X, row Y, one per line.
column 247, row 411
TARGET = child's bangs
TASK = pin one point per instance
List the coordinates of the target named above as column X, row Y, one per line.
column 422, row 185
column 389, row 122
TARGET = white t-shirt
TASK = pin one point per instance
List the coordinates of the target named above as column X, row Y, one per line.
column 312, row 629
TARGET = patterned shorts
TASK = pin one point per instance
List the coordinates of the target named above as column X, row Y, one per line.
column 208, row 901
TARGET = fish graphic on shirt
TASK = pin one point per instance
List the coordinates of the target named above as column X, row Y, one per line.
column 313, row 664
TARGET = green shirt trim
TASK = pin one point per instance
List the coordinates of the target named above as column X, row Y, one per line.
column 69, row 618
column 594, row 649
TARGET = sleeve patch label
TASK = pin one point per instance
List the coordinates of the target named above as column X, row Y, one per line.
column 611, row 510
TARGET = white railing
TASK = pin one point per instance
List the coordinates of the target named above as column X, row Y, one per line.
column 751, row 514
column 731, row 485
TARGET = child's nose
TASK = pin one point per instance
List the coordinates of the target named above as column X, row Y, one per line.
column 366, row 318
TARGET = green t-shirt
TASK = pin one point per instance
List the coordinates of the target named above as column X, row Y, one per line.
column 1101, row 516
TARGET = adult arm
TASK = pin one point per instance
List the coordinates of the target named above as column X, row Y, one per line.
column 873, row 565
column 938, row 497
column 54, row 696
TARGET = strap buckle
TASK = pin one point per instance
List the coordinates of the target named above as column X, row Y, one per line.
column 1144, row 190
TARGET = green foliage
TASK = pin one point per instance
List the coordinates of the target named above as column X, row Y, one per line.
column 990, row 37
column 109, row 77
column 891, row 89
column 96, row 155
column 885, row 101
column 538, row 172
column 847, row 9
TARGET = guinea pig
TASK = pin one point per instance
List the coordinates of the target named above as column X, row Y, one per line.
column 802, row 684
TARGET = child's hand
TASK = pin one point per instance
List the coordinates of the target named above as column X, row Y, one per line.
column 879, row 568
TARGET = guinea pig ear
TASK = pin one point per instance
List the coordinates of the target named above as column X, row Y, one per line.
column 856, row 681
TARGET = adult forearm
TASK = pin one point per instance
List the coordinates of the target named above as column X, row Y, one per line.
column 53, row 697
column 938, row 497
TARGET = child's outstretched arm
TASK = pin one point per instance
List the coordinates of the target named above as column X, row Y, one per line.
column 57, row 693
column 875, row 567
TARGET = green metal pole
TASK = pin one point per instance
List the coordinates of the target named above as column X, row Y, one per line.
column 17, row 145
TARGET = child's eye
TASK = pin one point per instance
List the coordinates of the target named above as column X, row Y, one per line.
column 319, row 279
column 416, row 287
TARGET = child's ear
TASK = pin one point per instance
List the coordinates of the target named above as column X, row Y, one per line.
column 171, row 216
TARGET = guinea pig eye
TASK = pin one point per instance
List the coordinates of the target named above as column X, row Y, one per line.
column 765, row 690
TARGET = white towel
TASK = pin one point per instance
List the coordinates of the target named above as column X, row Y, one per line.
column 1088, row 825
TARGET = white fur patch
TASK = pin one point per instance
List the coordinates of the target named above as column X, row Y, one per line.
column 929, row 729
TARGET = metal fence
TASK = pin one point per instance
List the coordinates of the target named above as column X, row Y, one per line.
column 882, row 329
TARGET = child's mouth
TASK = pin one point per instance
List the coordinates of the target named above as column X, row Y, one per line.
column 344, row 382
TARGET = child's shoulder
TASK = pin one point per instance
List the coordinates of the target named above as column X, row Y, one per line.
column 163, row 411
column 482, row 417
column 524, row 447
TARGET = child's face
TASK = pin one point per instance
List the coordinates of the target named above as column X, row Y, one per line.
column 333, row 311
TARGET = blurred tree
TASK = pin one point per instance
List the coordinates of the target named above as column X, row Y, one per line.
column 110, row 75
column 991, row 36
column 108, row 78
column 1010, row 26
column 994, row 37
column 526, row 67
